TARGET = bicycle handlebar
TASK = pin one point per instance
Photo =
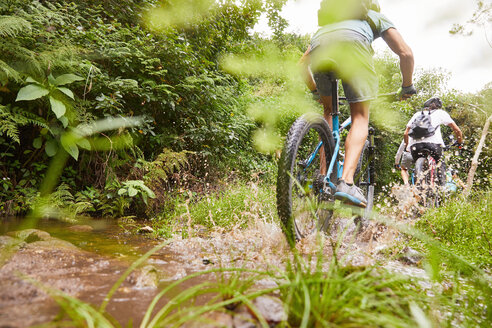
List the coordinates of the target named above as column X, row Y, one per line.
column 454, row 144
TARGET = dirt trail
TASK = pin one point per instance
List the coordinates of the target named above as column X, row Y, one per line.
column 87, row 260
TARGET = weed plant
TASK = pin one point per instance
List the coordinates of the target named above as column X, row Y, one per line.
column 236, row 205
column 464, row 226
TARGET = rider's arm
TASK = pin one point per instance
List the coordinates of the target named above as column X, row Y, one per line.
column 306, row 73
column 457, row 132
column 395, row 41
column 399, row 153
column 405, row 135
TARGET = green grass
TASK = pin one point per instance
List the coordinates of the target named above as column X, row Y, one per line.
column 237, row 205
column 464, row 226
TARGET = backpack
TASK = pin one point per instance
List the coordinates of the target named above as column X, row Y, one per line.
column 332, row 11
column 422, row 127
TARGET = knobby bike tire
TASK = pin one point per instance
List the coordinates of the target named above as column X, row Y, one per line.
column 362, row 178
column 428, row 192
column 291, row 181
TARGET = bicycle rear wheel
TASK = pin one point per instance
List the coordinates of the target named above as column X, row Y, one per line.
column 300, row 199
column 425, row 184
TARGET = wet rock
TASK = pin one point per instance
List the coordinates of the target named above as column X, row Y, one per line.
column 81, row 228
column 410, row 256
column 52, row 243
column 146, row 277
column 207, row 262
column 8, row 246
column 145, row 229
column 30, row 235
column 243, row 318
column 7, row 242
column 271, row 308
column 212, row 320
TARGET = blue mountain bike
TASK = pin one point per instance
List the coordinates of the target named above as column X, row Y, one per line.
column 305, row 197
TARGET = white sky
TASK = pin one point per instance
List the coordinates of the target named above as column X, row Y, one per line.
column 425, row 25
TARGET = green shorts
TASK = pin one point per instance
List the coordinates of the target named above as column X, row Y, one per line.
column 349, row 55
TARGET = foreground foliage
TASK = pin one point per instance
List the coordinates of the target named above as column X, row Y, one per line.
column 464, row 226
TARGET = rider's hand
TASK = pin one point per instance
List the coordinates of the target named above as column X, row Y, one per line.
column 459, row 145
column 398, row 166
column 406, row 92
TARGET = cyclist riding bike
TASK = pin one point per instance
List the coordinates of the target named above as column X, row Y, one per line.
column 404, row 161
column 432, row 140
column 342, row 47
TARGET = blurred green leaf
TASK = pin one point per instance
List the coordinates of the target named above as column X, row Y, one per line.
column 51, row 147
column 64, row 121
column 31, row 92
column 37, row 143
column 57, row 107
column 67, row 141
column 67, row 79
column 84, row 143
column 66, row 91
column 132, row 191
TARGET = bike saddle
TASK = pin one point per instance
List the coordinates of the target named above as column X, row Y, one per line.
column 328, row 66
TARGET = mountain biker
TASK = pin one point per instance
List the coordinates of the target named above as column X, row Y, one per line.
column 343, row 46
column 406, row 158
column 434, row 143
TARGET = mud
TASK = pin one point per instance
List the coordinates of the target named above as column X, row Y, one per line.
column 86, row 259
column 35, row 261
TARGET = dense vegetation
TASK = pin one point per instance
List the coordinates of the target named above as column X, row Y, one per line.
column 192, row 109
column 84, row 61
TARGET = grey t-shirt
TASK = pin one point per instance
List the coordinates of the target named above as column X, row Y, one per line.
column 362, row 28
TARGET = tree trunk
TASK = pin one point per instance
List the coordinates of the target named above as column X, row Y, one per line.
column 474, row 164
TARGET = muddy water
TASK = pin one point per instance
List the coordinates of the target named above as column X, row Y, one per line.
column 86, row 259
column 82, row 261
column 99, row 251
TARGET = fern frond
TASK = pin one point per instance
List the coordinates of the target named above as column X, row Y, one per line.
column 166, row 163
column 12, row 118
column 62, row 195
column 8, row 126
column 19, row 58
column 8, row 73
column 11, row 26
column 25, row 117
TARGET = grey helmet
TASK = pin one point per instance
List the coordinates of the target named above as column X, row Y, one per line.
column 434, row 100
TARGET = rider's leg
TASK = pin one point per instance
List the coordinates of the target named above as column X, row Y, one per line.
column 405, row 176
column 356, row 138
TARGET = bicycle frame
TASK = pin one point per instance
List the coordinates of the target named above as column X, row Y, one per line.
column 337, row 165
